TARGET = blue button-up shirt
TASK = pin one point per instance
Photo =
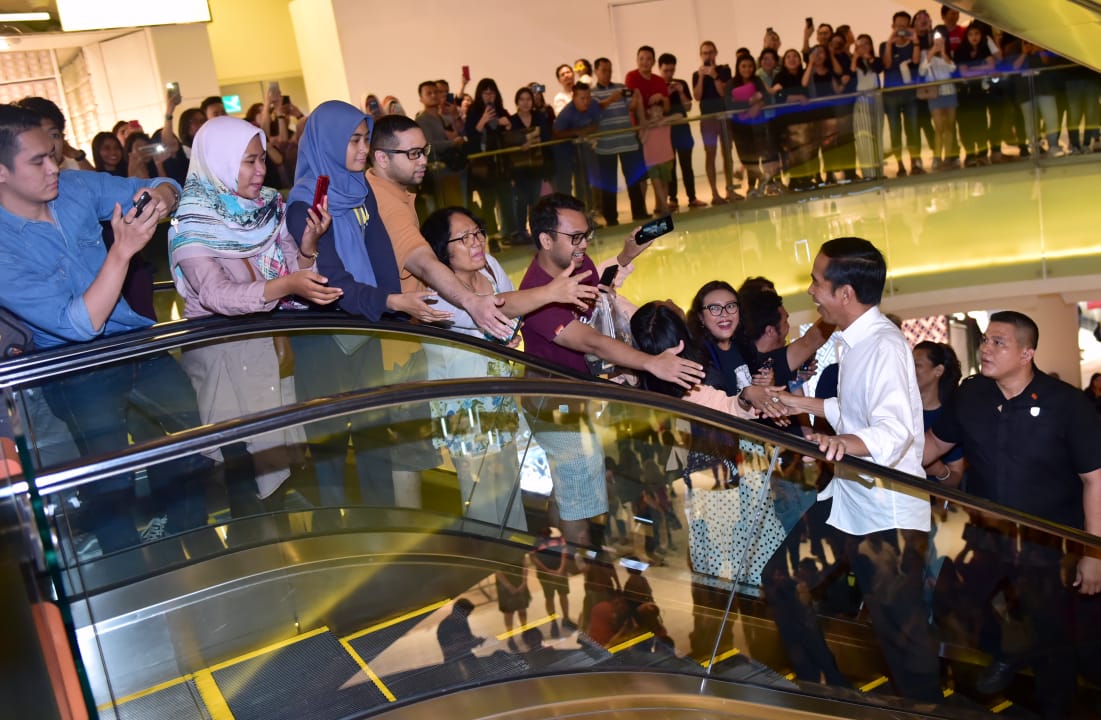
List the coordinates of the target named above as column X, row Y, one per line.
column 45, row 268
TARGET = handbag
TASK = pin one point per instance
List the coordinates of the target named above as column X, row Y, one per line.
column 927, row 92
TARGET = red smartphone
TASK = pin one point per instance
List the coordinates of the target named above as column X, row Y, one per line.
column 320, row 190
column 466, row 73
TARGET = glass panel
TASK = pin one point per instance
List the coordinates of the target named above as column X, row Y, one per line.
column 664, row 542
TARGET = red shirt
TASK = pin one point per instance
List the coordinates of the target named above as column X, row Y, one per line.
column 541, row 327
column 656, row 85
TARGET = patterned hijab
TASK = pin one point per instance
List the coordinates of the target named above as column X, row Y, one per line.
column 323, row 150
column 213, row 220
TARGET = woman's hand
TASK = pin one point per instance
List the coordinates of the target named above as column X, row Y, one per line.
column 505, row 123
column 318, row 221
column 310, row 286
column 417, row 306
column 488, row 115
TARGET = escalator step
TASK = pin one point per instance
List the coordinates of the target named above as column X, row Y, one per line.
column 374, row 643
column 312, row 678
column 498, row 666
column 179, row 702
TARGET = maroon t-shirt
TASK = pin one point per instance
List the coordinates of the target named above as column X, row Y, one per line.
column 541, row 327
column 656, row 85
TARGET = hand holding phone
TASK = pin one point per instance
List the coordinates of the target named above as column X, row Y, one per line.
column 320, row 190
column 144, row 199
column 654, row 229
column 608, row 276
column 466, row 74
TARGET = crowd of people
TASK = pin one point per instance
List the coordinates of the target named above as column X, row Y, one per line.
column 237, row 247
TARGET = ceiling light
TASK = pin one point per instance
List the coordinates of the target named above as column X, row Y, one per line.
column 24, row 17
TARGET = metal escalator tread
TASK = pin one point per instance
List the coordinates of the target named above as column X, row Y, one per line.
column 375, row 642
column 179, row 702
column 420, row 681
column 313, row 678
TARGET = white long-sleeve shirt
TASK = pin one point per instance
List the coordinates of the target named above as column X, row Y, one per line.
column 878, row 401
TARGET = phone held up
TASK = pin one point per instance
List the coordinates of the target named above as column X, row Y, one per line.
column 608, row 276
column 173, row 89
column 321, row 189
column 654, row 229
column 139, row 204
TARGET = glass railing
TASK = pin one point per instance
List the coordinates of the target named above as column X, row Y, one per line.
column 686, row 554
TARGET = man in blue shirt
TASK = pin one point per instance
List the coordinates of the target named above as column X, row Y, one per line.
column 60, row 279
column 578, row 119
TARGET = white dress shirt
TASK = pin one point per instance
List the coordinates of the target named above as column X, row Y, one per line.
column 878, row 401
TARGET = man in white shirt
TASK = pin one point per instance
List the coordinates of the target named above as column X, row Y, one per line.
column 880, row 532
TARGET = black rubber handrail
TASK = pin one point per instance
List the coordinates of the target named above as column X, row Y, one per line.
column 188, row 442
column 42, row 365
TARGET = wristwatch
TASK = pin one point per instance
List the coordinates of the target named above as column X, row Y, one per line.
column 80, row 156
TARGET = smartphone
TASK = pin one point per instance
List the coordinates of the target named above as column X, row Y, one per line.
column 372, row 106
column 608, row 276
column 320, row 190
column 150, row 150
column 173, row 89
column 810, row 22
column 450, row 98
column 141, row 202
column 466, row 73
column 538, row 88
column 654, row 229
column 286, row 99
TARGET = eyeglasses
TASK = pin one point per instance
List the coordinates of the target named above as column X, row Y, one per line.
column 411, row 153
column 731, row 308
column 470, row 237
column 578, row 237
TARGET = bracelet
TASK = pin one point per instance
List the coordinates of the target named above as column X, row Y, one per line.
column 746, row 404
column 168, row 116
column 307, row 256
column 947, row 474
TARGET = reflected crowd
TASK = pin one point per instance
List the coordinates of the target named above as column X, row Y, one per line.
column 379, row 223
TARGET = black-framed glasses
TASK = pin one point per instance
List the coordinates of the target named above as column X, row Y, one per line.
column 731, row 308
column 578, row 237
column 411, row 153
column 470, row 237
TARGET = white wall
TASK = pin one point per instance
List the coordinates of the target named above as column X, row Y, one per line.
column 324, row 64
column 388, row 48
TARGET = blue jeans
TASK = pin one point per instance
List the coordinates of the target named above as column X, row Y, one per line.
column 103, row 409
column 900, row 107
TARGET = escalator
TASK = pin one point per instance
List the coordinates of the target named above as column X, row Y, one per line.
column 333, row 611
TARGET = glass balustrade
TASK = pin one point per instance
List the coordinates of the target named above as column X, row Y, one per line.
column 688, row 555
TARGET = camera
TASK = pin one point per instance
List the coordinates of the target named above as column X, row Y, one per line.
column 628, row 92
column 539, row 88
column 723, row 73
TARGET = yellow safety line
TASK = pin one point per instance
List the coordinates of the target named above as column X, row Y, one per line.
column 948, row 692
column 517, row 631
column 266, row 650
column 212, row 696
column 882, row 679
column 790, row 676
column 725, row 656
column 370, row 673
column 143, row 693
column 400, row 618
column 630, row 643
column 1003, row 705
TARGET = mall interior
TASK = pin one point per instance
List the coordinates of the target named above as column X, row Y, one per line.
column 422, row 580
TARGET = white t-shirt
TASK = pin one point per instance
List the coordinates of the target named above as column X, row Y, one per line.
column 878, row 401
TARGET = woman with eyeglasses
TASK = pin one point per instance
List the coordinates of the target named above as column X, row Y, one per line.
column 479, row 432
column 713, row 321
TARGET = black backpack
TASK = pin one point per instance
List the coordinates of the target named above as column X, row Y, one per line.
column 15, row 337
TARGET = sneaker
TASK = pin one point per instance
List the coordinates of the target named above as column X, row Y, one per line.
column 554, row 631
column 568, row 625
column 512, row 645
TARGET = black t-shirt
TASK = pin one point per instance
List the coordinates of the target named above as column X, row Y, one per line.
column 712, row 100
column 1026, row 452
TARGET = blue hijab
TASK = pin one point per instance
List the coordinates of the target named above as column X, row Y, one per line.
column 323, row 151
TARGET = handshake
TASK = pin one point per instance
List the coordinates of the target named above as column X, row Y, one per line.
column 772, row 402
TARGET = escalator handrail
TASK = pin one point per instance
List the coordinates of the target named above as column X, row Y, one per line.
column 207, row 437
column 42, row 365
